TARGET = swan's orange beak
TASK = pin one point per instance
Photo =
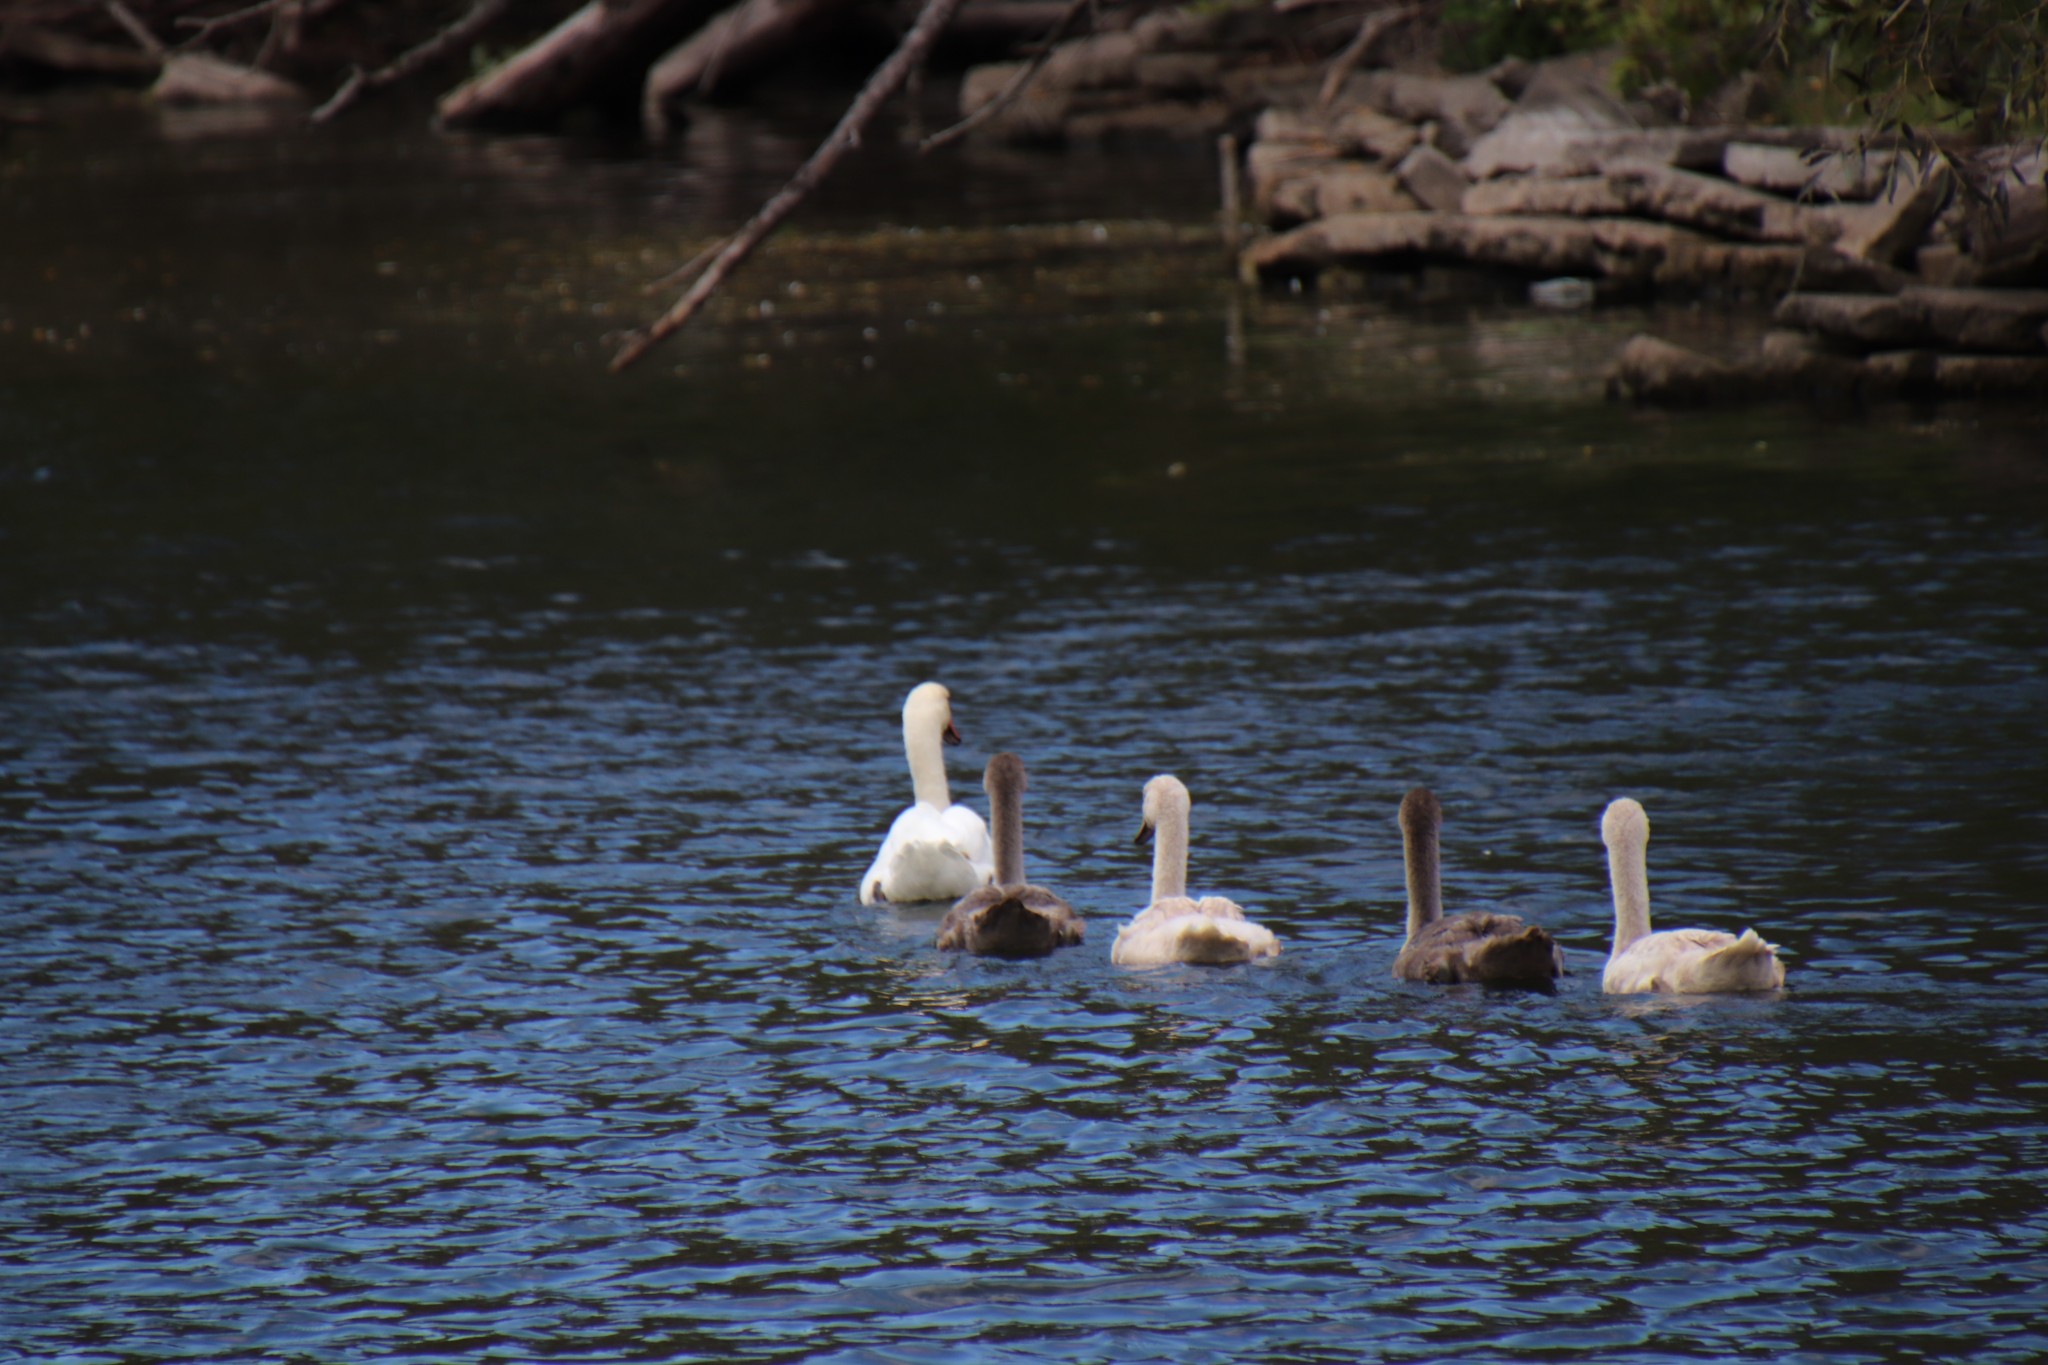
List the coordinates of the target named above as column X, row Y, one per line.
column 951, row 736
column 1144, row 833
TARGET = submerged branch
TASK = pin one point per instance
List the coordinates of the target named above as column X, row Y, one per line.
column 457, row 35
column 888, row 78
column 1018, row 82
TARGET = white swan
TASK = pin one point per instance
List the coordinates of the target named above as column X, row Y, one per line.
column 1500, row 950
column 936, row 851
column 1175, row 928
column 1692, row 961
column 1010, row 918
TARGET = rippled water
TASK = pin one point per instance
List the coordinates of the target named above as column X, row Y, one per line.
column 433, row 779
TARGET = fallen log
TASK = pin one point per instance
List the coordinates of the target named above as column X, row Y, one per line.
column 730, row 46
column 600, row 49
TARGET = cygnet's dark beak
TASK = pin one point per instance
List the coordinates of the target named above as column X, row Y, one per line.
column 951, row 735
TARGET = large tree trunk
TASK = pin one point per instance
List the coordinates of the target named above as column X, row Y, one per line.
column 731, row 46
column 597, row 55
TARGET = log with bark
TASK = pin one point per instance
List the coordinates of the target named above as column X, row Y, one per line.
column 731, row 46
column 597, row 53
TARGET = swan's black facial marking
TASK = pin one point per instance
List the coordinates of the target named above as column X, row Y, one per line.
column 951, row 736
column 1144, row 833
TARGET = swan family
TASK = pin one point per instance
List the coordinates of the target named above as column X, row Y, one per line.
column 937, row 850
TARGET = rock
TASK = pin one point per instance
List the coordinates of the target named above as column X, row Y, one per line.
column 1560, row 106
column 1273, row 168
column 1295, row 125
column 1177, row 119
column 2009, row 243
column 1692, row 263
column 1944, row 264
column 1037, row 115
column 1306, row 251
column 196, row 78
column 1180, row 30
column 1869, row 322
column 1714, row 205
column 1653, row 371
column 1795, row 360
column 1289, row 203
column 1102, row 60
column 1511, row 75
column 1627, row 250
column 1463, row 107
column 1816, row 173
column 1181, row 75
column 1556, row 143
column 1352, row 188
column 1889, row 228
column 1432, row 178
column 2008, row 320
column 1909, row 372
column 1581, row 196
column 1991, row 376
column 1376, row 135
column 1548, row 140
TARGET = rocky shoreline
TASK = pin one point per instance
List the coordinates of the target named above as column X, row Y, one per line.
column 1890, row 275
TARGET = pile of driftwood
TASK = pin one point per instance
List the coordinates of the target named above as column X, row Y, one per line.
column 1893, row 273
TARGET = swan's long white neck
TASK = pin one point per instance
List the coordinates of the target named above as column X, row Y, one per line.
column 1006, row 820
column 1170, row 851
column 924, row 727
column 1420, row 822
column 1626, row 830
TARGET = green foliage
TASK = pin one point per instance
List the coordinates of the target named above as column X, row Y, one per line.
column 1910, row 67
column 1970, row 66
column 1696, row 45
column 1478, row 33
column 1975, row 66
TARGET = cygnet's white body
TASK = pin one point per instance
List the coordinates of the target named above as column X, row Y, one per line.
column 1687, row 961
column 935, row 850
column 1176, row 928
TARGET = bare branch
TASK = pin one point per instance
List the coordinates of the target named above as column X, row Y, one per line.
column 206, row 28
column 137, row 30
column 687, row 269
column 1376, row 26
column 1017, row 84
column 456, row 36
column 888, row 78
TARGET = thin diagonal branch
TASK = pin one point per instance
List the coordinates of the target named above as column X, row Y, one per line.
column 1376, row 26
column 457, row 35
column 1018, row 82
column 888, row 78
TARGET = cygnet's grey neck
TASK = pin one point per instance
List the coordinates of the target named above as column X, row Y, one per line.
column 1421, row 823
column 1004, row 783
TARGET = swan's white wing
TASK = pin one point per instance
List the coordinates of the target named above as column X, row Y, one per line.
column 923, row 860
column 970, row 835
column 1694, row 961
column 1212, row 931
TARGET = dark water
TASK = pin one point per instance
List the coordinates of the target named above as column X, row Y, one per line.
column 434, row 775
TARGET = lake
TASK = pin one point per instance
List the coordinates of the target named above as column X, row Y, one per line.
column 435, row 774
